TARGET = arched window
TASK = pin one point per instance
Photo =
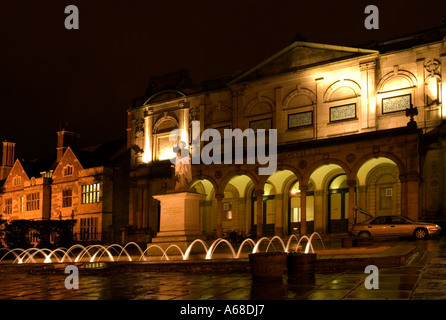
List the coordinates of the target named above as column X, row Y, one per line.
column 161, row 131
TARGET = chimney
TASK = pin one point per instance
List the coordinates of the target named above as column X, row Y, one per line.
column 66, row 139
column 7, row 156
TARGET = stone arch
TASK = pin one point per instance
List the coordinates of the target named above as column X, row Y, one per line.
column 169, row 94
column 232, row 190
column 205, row 187
column 225, row 180
column 165, row 123
column 373, row 182
column 308, row 172
column 432, row 76
column 433, row 88
column 405, row 75
column 347, row 83
column 267, row 106
column 326, row 181
column 236, row 203
column 198, row 186
column 203, row 177
column 380, row 170
column 297, row 173
column 360, row 162
column 219, row 113
column 305, row 93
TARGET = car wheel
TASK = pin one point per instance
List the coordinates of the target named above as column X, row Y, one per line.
column 364, row 235
column 420, row 233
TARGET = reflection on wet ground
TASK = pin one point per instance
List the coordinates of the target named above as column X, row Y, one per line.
column 423, row 277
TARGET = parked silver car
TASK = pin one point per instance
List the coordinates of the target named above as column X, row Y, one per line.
column 385, row 226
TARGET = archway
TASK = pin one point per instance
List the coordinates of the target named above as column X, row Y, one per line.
column 295, row 208
column 331, row 200
column 379, row 188
column 236, row 206
column 268, row 207
column 275, row 202
column 207, row 204
column 338, row 204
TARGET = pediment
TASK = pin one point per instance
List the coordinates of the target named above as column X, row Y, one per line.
column 298, row 56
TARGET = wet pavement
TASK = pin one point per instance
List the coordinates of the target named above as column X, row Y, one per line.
column 423, row 277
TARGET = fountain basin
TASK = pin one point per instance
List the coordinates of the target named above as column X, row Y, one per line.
column 267, row 265
column 300, row 263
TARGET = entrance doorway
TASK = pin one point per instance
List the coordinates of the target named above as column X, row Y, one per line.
column 338, row 205
column 295, row 209
column 269, row 211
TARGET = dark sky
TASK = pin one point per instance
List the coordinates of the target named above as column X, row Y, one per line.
column 89, row 77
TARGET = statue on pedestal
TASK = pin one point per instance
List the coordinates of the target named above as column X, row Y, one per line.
column 183, row 169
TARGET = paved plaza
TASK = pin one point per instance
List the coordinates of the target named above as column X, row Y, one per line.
column 422, row 277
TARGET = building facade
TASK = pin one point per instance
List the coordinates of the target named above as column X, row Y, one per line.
column 358, row 131
column 88, row 185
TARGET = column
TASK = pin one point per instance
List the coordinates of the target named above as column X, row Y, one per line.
column 319, row 216
column 403, row 181
column 278, row 115
column 303, row 209
column 140, row 207
column 129, row 129
column 259, row 195
column 412, row 187
column 131, row 206
column 319, row 116
column 278, row 229
column 148, row 115
column 368, row 95
column 443, row 85
column 420, row 96
column 145, row 209
column 186, row 123
column 219, row 198
column 361, row 201
column 351, row 203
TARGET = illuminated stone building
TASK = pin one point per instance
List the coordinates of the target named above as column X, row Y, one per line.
column 357, row 128
column 88, row 185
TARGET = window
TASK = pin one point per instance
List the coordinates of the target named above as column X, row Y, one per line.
column 33, row 201
column 8, row 206
column 17, row 180
column 33, row 236
column 46, row 174
column 67, row 196
column 68, row 170
column 396, row 220
column 90, row 193
column 22, row 204
column 380, row 220
column 227, row 208
column 89, row 229
column 385, row 198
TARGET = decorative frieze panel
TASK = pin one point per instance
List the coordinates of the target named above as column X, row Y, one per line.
column 395, row 104
column 261, row 124
column 301, row 119
column 344, row 112
column 139, row 135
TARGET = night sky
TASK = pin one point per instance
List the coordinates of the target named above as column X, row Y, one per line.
column 88, row 77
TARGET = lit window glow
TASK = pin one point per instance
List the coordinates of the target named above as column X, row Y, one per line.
column 90, row 193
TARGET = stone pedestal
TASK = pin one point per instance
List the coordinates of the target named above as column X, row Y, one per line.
column 180, row 221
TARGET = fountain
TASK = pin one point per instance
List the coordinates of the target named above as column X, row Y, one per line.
column 117, row 253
